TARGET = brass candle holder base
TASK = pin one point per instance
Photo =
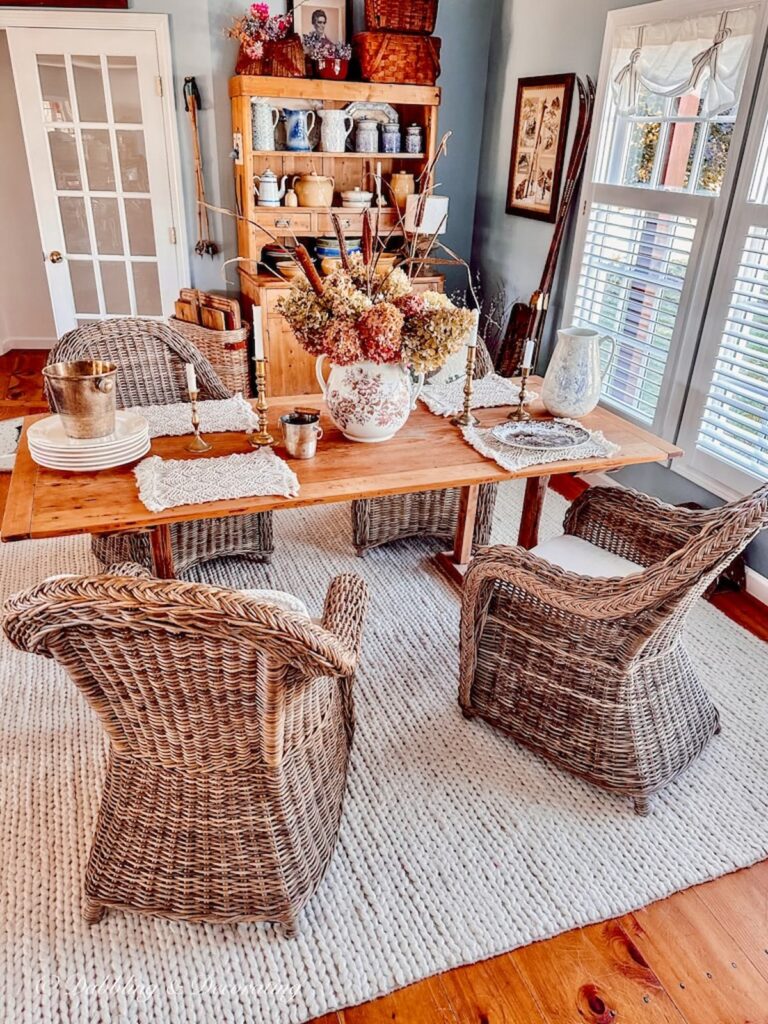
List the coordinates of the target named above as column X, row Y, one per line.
column 198, row 443
column 521, row 414
column 465, row 418
column 262, row 437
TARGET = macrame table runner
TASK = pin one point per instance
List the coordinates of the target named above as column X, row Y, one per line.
column 167, row 483
column 217, row 416
column 511, row 458
column 10, row 431
column 489, row 392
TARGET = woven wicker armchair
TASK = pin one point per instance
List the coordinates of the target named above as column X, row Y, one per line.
column 151, row 358
column 230, row 725
column 377, row 521
column 592, row 673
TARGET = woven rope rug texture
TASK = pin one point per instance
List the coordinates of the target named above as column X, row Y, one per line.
column 455, row 845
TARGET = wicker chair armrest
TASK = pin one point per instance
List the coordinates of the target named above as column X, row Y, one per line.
column 633, row 525
column 346, row 603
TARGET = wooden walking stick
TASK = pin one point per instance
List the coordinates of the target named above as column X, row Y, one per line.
column 204, row 245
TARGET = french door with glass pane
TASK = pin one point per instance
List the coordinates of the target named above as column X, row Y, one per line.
column 93, row 120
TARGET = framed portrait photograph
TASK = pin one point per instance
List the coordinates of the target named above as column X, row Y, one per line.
column 542, row 112
column 316, row 21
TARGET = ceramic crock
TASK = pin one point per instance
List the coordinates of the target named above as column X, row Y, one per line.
column 313, row 189
column 367, row 401
column 574, row 378
column 403, row 184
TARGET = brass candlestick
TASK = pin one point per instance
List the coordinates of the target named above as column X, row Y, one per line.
column 198, row 442
column 262, row 438
column 520, row 414
column 466, row 419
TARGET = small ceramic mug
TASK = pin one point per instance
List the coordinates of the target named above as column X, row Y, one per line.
column 301, row 432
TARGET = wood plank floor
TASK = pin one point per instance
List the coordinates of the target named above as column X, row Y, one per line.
column 699, row 957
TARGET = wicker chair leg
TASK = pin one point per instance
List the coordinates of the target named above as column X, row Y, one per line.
column 642, row 805
column 92, row 911
column 290, row 929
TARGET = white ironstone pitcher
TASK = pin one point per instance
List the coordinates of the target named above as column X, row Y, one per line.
column 574, row 378
column 335, row 130
column 264, row 118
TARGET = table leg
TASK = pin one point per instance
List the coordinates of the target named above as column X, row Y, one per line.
column 533, row 502
column 455, row 563
column 162, row 552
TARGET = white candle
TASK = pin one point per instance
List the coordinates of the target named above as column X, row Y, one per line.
column 191, row 378
column 258, row 334
column 528, row 355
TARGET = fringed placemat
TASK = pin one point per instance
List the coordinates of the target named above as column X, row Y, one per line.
column 487, row 393
column 10, row 432
column 167, row 483
column 217, row 416
column 512, row 458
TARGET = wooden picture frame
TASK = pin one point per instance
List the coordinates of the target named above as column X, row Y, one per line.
column 338, row 18
column 542, row 115
column 111, row 5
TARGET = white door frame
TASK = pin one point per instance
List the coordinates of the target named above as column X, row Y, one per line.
column 122, row 21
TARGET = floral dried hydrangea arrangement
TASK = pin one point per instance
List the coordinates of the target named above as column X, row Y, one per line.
column 257, row 27
column 360, row 312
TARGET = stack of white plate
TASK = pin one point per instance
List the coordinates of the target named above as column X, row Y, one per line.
column 52, row 447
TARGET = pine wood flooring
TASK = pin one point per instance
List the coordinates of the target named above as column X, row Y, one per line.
column 698, row 957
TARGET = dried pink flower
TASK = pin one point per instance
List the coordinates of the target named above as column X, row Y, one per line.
column 380, row 329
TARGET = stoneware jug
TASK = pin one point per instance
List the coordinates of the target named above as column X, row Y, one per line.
column 313, row 189
column 335, row 130
column 368, row 401
column 264, row 118
column 574, row 379
column 402, row 184
column 268, row 191
column 298, row 125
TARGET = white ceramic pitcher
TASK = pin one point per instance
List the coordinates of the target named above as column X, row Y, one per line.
column 335, row 130
column 367, row 401
column 574, row 378
column 264, row 118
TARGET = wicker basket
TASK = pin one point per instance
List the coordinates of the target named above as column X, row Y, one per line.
column 397, row 57
column 227, row 351
column 401, row 16
column 283, row 58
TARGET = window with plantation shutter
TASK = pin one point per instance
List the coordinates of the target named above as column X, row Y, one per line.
column 630, row 286
column 725, row 425
column 670, row 120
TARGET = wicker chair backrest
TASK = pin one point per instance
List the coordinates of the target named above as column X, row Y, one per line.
column 182, row 675
column 150, row 357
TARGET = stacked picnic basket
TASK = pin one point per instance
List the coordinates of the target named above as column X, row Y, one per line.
column 213, row 324
column 398, row 45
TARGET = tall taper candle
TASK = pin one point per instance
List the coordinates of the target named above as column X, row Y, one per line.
column 191, row 377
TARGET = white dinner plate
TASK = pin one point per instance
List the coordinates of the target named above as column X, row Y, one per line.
column 89, row 453
column 70, row 466
column 50, row 434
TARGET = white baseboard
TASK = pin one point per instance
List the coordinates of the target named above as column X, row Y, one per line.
column 8, row 344
column 757, row 585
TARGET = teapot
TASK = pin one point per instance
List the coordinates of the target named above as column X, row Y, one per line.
column 269, row 193
column 313, row 189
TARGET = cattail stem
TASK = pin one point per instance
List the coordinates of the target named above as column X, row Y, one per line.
column 310, row 270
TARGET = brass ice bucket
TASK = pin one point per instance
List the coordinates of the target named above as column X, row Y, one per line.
column 83, row 394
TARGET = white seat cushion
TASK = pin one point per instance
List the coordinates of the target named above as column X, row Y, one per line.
column 288, row 602
column 576, row 555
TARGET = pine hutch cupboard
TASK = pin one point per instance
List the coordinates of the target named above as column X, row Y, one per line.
column 291, row 369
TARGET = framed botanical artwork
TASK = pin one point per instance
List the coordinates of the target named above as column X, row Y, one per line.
column 317, row 22
column 538, row 145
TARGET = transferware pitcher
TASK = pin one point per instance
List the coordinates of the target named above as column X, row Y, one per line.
column 574, row 378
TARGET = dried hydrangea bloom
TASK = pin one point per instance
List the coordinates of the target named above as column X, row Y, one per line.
column 341, row 342
column 380, row 330
column 430, row 339
column 395, row 285
column 306, row 314
column 411, row 305
column 342, row 297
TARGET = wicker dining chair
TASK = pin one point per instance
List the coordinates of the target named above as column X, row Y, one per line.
column 150, row 357
column 377, row 521
column 575, row 648
column 230, row 724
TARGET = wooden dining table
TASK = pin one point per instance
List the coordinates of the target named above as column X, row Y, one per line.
column 429, row 453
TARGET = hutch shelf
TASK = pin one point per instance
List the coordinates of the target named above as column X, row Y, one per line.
column 292, row 369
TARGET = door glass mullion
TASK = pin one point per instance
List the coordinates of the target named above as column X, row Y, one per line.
column 120, row 192
column 85, row 183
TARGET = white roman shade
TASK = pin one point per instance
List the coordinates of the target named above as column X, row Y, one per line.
column 707, row 54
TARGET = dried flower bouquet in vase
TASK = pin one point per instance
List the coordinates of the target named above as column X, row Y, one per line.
column 376, row 332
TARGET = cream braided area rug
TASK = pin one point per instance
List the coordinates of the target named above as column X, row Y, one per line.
column 455, row 843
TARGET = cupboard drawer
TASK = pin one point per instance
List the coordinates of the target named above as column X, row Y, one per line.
column 289, row 219
column 352, row 222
